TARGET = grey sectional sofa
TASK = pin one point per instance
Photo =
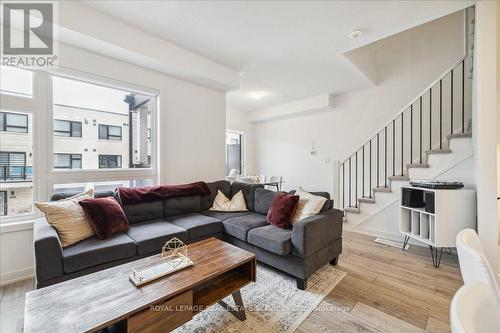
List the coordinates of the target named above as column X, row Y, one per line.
column 298, row 251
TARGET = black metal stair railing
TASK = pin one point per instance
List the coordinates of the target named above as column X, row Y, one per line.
column 450, row 94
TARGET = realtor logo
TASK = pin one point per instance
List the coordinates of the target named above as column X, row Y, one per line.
column 28, row 34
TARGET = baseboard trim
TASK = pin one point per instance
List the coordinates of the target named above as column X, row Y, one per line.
column 397, row 237
column 15, row 276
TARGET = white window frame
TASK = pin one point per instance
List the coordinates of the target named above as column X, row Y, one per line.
column 71, row 176
column 40, row 107
column 34, row 105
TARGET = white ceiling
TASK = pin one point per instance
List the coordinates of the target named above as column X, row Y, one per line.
column 289, row 49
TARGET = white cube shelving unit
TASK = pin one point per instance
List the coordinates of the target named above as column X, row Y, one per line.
column 454, row 210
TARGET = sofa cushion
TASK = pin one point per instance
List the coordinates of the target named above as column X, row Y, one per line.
column 263, row 199
column 221, row 216
column 145, row 211
column 272, row 239
column 239, row 226
column 309, row 205
column 106, row 216
column 248, row 192
column 197, row 225
column 151, row 236
column 181, row 205
column 93, row 251
column 223, row 204
column 65, row 195
column 223, row 185
column 328, row 203
column 68, row 218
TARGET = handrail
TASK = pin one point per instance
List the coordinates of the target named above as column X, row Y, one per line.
column 376, row 165
column 397, row 115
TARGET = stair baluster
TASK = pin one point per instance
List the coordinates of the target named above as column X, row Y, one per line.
column 347, row 180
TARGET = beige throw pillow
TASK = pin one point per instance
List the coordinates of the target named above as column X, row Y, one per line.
column 223, row 204
column 68, row 218
column 309, row 205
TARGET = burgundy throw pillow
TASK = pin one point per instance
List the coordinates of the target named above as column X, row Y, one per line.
column 282, row 209
column 106, row 216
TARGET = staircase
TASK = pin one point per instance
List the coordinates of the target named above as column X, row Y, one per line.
column 429, row 137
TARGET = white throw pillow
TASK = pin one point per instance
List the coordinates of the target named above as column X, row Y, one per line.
column 68, row 218
column 309, row 205
column 223, row 204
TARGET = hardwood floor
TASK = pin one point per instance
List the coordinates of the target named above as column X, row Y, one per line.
column 388, row 290
column 385, row 290
column 12, row 305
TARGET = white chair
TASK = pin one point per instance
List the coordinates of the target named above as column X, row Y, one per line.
column 474, row 309
column 277, row 180
column 473, row 263
column 233, row 173
column 245, row 180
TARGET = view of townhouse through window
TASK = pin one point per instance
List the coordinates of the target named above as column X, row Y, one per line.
column 16, row 163
column 95, row 127
column 104, row 127
column 99, row 128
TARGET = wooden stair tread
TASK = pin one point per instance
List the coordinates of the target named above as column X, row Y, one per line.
column 399, row 178
column 382, row 189
column 459, row 135
column 417, row 165
column 438, row 151
column 352, row 210
column 367, row 200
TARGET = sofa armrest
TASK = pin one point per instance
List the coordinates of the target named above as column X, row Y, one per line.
column 314, row 233
column 48, row 251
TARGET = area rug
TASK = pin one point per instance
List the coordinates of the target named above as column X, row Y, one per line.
column 273, row 303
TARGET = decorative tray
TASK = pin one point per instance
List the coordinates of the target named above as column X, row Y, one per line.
column 174, row 254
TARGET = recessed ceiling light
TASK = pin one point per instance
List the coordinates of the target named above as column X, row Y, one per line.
column 258, row 94
column 356, row 33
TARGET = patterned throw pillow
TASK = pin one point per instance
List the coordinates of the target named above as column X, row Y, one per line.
column 68, row 218
column 223, row 204
column 309, row 205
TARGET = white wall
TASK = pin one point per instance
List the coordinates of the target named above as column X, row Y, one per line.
column 406, row 63
column 237, row 120
column 485, row 127
column 192, row 135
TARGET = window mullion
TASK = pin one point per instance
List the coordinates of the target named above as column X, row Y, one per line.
column 43, row 131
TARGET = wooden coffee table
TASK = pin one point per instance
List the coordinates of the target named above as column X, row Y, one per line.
column 108, row 299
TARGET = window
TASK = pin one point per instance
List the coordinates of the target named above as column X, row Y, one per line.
column 234, row 152
column 68, row 128
column 110, row 161
column 3, row 203
column 110, row 122
column 67, row 161
column 13, row 166
column 109, row 132
column 16, row 160
column 77, row 109
column 13, row 122
column 15, row 81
